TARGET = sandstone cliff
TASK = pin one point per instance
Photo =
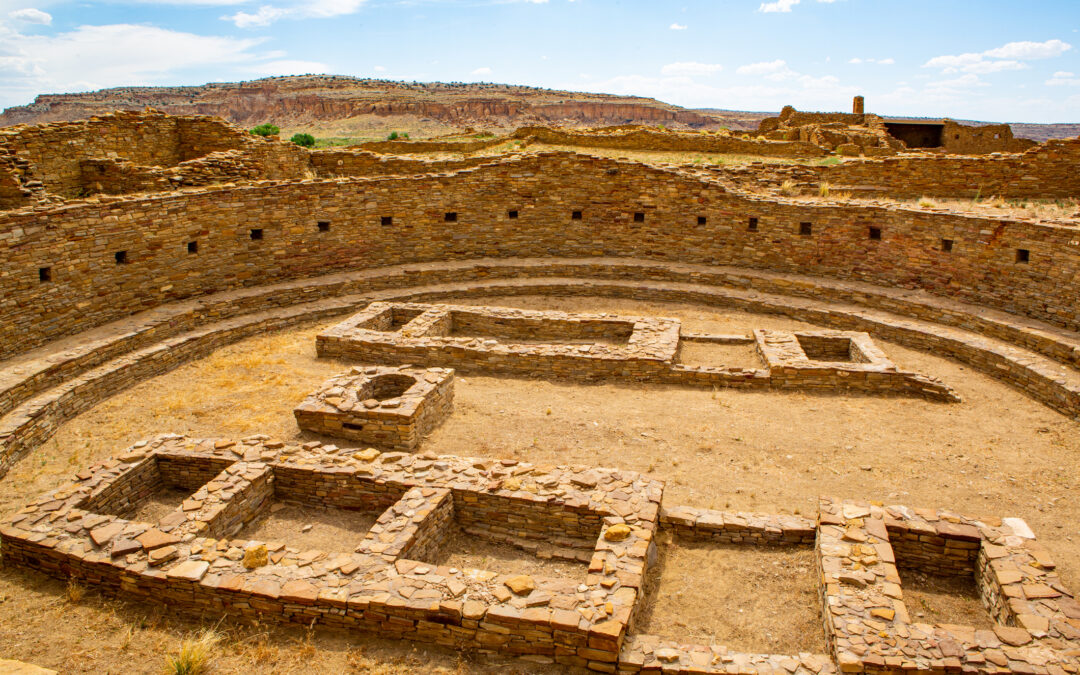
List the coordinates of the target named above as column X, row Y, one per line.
column 294, row 101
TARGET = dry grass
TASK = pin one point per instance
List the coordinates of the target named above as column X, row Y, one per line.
column 196, row 654
column 823, row 190
column 74, row 592
column 788, row 188
column 998, row 453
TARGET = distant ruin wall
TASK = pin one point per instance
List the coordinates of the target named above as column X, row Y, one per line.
column 398, row 147
column 67, row 158
column 647, row 139
column 350, row 162
column 258, row 234
column 1048, row 171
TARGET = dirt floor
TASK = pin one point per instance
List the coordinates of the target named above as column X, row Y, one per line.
column 756, row 600
column 305, row 528
column 465, row 552
column 997, row 453
column 940, row 599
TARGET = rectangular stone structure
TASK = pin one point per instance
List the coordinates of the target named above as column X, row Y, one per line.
column 384, row 586
column 508, row 341
column 386, row 407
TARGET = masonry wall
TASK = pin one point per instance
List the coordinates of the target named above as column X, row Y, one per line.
column 649, row 139
column 1049, row 171
column 88, row 287
column 140, row 146
column 350, row 162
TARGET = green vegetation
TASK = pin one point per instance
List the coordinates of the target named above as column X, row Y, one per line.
column 396, row 136
column 266, row 130
column 303, row 140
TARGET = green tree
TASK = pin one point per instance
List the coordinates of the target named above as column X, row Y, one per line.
column 392, row 136
column 266, row 130
column 303, row 140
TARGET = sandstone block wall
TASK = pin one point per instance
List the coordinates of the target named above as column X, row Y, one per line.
column 1048, row 171
column 130, row 151
column 651, row 139
column 259, row 234
column 332, row 162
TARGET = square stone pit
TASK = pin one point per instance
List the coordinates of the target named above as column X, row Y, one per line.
column 386, row 407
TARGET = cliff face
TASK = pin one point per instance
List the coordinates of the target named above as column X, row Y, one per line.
column 290, row 101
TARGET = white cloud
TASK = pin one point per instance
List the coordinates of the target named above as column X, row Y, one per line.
column 93, row 57
column 881, row 62
column 317, row 9
column 31, row 15
column 379, row 69
column 1030, row 51
column 776, row 71
column 691, row 68
column 264, row 16
column 677, row 26
column 1007, row 57
column 1064, row 78
column 481, row 71
column 783, row 5
column 778, row 6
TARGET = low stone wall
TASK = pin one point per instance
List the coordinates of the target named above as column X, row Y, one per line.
column 863, row 594
column 1046, row 172
column 333, row 162
column 93, row 377
column 375, row 588
column 652, row 140
column 392, row 586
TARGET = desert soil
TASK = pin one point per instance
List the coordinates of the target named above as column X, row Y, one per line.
column 998, row 453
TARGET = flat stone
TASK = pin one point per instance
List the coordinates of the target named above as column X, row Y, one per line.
column 155, row 538
column 191, row 570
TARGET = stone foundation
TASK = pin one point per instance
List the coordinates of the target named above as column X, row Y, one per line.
column 390, row 408
column 608, row 518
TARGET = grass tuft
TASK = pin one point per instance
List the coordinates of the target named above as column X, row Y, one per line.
column 196, row 654
column 788, row 188
column 75, row 591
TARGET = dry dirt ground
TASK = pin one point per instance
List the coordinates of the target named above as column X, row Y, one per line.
column 997, row 453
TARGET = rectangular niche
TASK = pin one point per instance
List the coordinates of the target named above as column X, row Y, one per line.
column 826, row 348
column 941, row 577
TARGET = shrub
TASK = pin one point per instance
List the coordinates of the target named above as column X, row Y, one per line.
column 266, row 130
column 393, row 136
column 303, row 140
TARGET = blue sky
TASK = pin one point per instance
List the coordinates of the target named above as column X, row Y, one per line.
column 977, row 59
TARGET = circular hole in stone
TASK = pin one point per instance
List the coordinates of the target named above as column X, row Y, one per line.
column 385, row 387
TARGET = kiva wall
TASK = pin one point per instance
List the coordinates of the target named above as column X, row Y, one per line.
column 106, row 261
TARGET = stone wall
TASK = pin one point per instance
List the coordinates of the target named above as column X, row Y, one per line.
column 653, row 140
column 332, row 162
column 134, row 151
column 566, row 205
column 1048, row 171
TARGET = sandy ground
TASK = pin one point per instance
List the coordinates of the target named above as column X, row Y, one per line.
column 997, row 453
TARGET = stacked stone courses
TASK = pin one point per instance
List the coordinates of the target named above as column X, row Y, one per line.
column 389, row 585
column 358, row 406
column 79, row 242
